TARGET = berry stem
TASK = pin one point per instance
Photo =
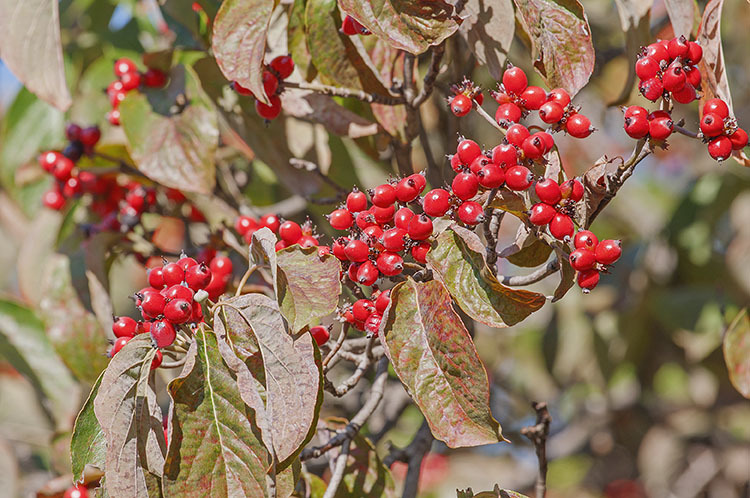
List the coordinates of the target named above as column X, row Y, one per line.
column 682, row 131
column 431, row 75
column 334, row 91
column 489, row 118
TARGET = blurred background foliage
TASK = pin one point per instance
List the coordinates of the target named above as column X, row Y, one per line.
column 633, row 373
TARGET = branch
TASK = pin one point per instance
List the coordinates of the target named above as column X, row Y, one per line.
column 490, row 233
column 538, row 434
column 363, row 362
column 314, row 168
column 489, row 118
column 432, row 74
column 335, row 349
column 682, row 131
column 125, row 166
column 353, row 427
column 338, row 471
column 413, row 455
column 335, row 91
column 532, row 278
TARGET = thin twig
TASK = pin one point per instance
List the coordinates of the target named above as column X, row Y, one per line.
column 243, row 281
column 335, row 349
column 314, row 168
column 538, row 434
column 686, row 132
column 125, row 166
column 338, row 471
column 356, row 423
column 429, row 78
column 372, row 98
column 489, row 118
column 363, row 362
column 531, row 278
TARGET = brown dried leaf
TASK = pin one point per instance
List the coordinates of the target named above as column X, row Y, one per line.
column 488, row 30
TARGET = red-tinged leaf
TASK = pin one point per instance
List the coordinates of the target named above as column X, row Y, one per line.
column 526, row 251
column 317, row 108
column 389, row 63
column 411, row 25
column 364, row 474
column 297, row 41
column 293, row 387
column 560, row 41
column 435, row 358
column 214, row 449
column 634, row 20
column 174, row 150
column 75, row 333
column 681, row 15
column 737, row 352
column 31, row 48
column 336, row 57
column 488, row 30
column 239, row 42
column 131, row 421
column 88, row 446
column 457, row 260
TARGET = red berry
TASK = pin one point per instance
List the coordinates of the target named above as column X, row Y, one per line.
column 561, row 226
column 419, row 252
column 217, row 285
column 362, row 308
column 307, row 241
column 338, row 248
column 711, row 125
column 71, row 188
column 516, row 134
column 372, row 235
column 367, row 274
column 62, row 169
column 290, row 232
column 90, row 136
column 356, row 201
column 572, row 189
column 436, row 202
column 390, row 263
column 152, row 304
column 124, row 326
column 456, row 163
column 198, row 277
column 578, row 126
column 738, row 139
column 320, row 334
column 720, row 148
column 113, row 117
column 118, row 345
column 636, row 126
column 383, row 195
column 548, row 139
column 533, row 97
column 471, row 213
column 178, row 311
column 588, row 279
column 186, row 262
column 551, row 112
column 467, row 150
column 341, row 219
column 242, row 90
column 465, row 186
column 559, row 95
column 270, row 221
column 173, row 274
column 646, row 68
column 245, row 223
column 130, row 81
column 660, row 127
column 73, row 132
column 678, row 47
column 409, row 188
column 124, row 66
column 383, row 215
column 221, row 265
column 394, row 239
column 541, row 214
column 77, row 491
column 383, row 300
column 501, row 97
column 356, row 251
column 514, row 80
column 402, row 218
column 608, row 251
column 581, row 259
column 270, row 83
column 518, row 178
column 478, row 163
column 716, row 106
column 420, row 227
column 491, row 176
column 548, row 191
column 283, row 65
column 178, row 291
column 693, row 75
column 163, row 333
column 372, row 324
column 674, row 78
column 154, row 78
column 651, row 89
column 657, row 51
column 461, row 105
column 116, row 97
column 350, row 26
column 687, row 94
column 534, row 147
column 635, row 110
column 47, row 160
column 695, row 53
column 156, row 363
column 270, row 111
column 505, row 155
column 585, row 239
column 508, row 113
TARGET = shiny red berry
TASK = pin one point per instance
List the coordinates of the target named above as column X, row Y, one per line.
column 409, row 188
column 290, row 232
column 658, row 51
column 581, row 259
column 131, row 80
column 674, row 78
column 221, row 265
column 270, row 83
column 402, row 218
column 716, row 106
column 465, row 185
column 270, row 221
column 178, row 311
column 90, row 136
column 436, row 202
column 559, row 95
column 585, row 239
column 738, row 139
column 173, row 274
column 124, row 326
column 467, row 150
column 154, row 78
column 198, row 277
column 561, row 226
column 516, row 134
column 382, row 301
column 660, row 127
column 651, row 89
column 77, row 491
column 163, row 333
column 514, row 80
column 269, row 111
column 508, row 113
column 505, row 155
column 356, row 201
column 118, row 345
column 390, row 263
column 678, row 47
column 572, row 189
column 720, row 148
column 419, row 252
column 320, row 334
column 636, row 126
column 152, row 304
column 533, row 97
column 383, row 195
column 356, row 251
column 471, row 213
column 341, row 219
column 646, row 68
column 711, row 125
column 420, row 227
column 124, row 66
column 460, row 105
column 394, row 239
column 608, row 251
column 548, row 191
column 367, row 273
column 518, row 178
column 541, row 214
column 491, row 176
column 588, row 279
column 578, row 126
column 283, row 65
column 551, row 112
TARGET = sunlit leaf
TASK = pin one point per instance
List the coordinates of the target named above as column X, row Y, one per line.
column 488, row 30
column 88, row 445
column 634, row 19
column 737, row 352
column 681, row 15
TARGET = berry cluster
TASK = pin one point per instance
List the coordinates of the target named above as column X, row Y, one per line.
column 128, row 79
column 77, row 491
column 667, row 68
column 557, row 206
column 366, row 314
column 170, row 300
column 639, row 123
column 69, row 181
column 247, row 225
column 517, row 98
column 279, row 69
column 720, row 130
column 351, row 27
column 591, row 257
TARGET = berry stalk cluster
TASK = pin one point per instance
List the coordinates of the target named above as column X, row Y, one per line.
column 129, row 79
column 279, row 69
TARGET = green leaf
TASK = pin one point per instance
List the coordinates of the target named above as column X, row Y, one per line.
column 737, row 352
column 488, row 30
column 31, row 48
column 37, row 360
column 239, row 42
column 88, row 445
column 74, row 332
column 436, row 360
column 308, row 285
column 411, row 25
column 297, row 41
column 334, row 54
column 214, row 447
column 457, row 260
column 560, row 41
column 174, row 150
column 293, row 384
column 131, row 421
